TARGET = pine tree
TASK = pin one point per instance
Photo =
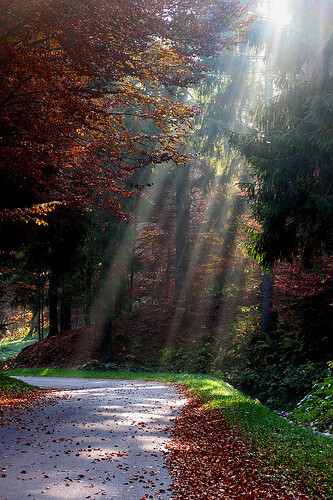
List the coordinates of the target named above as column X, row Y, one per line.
column 290, row 151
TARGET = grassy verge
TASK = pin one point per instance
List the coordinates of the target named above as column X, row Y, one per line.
column 9, row 348
column 302, row 454
column 12, row 387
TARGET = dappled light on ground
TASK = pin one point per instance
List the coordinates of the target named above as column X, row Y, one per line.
column 87, row 442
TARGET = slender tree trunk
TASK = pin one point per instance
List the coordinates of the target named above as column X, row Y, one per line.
column 34, row 323
column 153, row 287
column 65, row 312
column 53, row 303
column 107, row 340
column 266, row 283
column 131, row 276
column 269, row 316
column 42, row 311
column 39, row 317
column 87, row 317
column 168, row 275
column 130, row 292
column 39, row 286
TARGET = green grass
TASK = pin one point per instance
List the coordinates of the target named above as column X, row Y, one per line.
column 9, row 348
column 303, row 455
column 12, row 386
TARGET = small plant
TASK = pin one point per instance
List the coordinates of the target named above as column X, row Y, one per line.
column 174, row 359
column 316, row 408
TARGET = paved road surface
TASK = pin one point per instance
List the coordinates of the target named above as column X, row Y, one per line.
column 100, row 439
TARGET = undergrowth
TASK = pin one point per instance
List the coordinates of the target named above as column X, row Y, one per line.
column 316, row 408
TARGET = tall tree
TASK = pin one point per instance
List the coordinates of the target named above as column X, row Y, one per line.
column 290, row 151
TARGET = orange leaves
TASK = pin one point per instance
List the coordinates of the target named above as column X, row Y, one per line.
column 29, row 214
column 25, row 399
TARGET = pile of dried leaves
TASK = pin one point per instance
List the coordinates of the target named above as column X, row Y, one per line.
column 210, row 459
column 68, row 349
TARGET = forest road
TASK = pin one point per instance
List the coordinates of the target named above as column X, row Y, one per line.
column 96, row 439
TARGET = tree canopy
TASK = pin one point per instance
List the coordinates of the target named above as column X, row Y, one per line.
column 70, row 74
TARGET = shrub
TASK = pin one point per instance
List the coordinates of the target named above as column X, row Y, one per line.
column 279, row 385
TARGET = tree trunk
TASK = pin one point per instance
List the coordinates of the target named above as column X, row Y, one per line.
column 267, row 321
column 65, row 312
column 34, row 322
column 42, row 311
column 107, row 340
column 168, row 275
column 269, row 316
column 132, row 267
column 88, row 300
column 53, row 303
column 39, row 321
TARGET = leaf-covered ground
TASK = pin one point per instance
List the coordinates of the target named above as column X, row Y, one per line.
column 232, row 447
column 16, row 394
column 211, row 459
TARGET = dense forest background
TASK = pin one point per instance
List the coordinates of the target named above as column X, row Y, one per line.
column 167, row 195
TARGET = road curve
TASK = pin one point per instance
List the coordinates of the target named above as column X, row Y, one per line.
column 96, row 439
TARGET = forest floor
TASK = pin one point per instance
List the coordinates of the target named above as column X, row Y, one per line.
column 212, row 459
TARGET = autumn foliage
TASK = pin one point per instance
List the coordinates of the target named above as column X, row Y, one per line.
column 82, row 100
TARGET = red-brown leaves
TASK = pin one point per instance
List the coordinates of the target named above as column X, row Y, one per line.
column 290, row 280
column 11, row 401
column 210, row 459
column 81, row 92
